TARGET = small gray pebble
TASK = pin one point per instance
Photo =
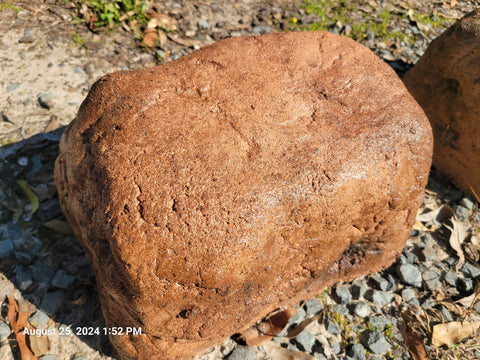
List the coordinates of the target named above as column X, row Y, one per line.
column 450, row 278
column 63, row 280
column 476, row 307
column 203, row 24
column 22, row 278
column 13, row 86
column 80, row 357
column 342, row 310
column 462, row 212
column 42, row 272
column 358, row 291
column 357, row 352
column 410, row 274
column 39, row 320
column 305, row 341
column 376, row 342
column 411, row 258
column 447, row 316
column 78, row 70
column 243, row 353
column 4, row 331
column 336, row 348
column 471, row 271
column 428, row 303
column 6, row 247
column 379, row 322
column 380, row 283
column 262, row 30
column 429, row 254
column 48, row 357
column 465, row 285
column 51, row 301
column 343, row 295
column 313, row 306
column 408, row 294
column 45, row 100
column 361, row 309
column 333, row 328
column 467, row 203
column 298, row 317
column 432, row 279
column 380, row 297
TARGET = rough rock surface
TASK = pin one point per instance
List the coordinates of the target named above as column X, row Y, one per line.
column 446, row 83
column 248, row 175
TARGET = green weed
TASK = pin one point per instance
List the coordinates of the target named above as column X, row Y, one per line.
column 109, row 12
column 9, row 6
column 78, row 40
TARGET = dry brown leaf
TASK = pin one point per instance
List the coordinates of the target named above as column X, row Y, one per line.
column 420, row 227
column 268, row 329
column 440, row 214
column 18, row 322
column 150, row 37
column 39, row 344
column 457, row 236
column 415, row 345
column 184, row 42
column 453, row 332
column 300, row 327
column 59, row 226
column 162, row 38
column 453, row 3
column 277, row 352
column 162, row 21
column 467, row 301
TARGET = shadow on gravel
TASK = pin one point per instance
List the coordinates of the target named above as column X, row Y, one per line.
column 38, row 253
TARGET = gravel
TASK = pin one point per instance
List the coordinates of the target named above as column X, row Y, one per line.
column 356, row 352
column 305, row 341
column 376, row 342
column 39, row 320
column 410, row 274
column 243, row 353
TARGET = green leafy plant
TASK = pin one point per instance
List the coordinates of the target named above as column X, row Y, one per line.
column 109, row 12
column 9, row 6
column 78, row 40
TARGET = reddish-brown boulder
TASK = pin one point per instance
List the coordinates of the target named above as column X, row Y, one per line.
column 446, row 83
column 248, row 175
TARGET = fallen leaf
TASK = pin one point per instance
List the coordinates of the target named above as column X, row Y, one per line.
column 467, row 301
column 453, row 3
column 162, row 21
column 277, row 352
column 185, row 42
column 18, row 322
column 30, row 194
column 149, row 38
column 162, row 38
column 457, row 236
column 59, row 226
column 415, row 345
column 39, row 344
column 268, row 329
column 440, row 214
column 300, row 327
column 453, row 332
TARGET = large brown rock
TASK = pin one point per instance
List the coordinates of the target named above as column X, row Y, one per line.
column 446, row 83
column 248, row 175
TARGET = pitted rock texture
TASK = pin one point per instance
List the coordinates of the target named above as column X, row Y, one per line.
column 446, row 83
column 248, row 175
